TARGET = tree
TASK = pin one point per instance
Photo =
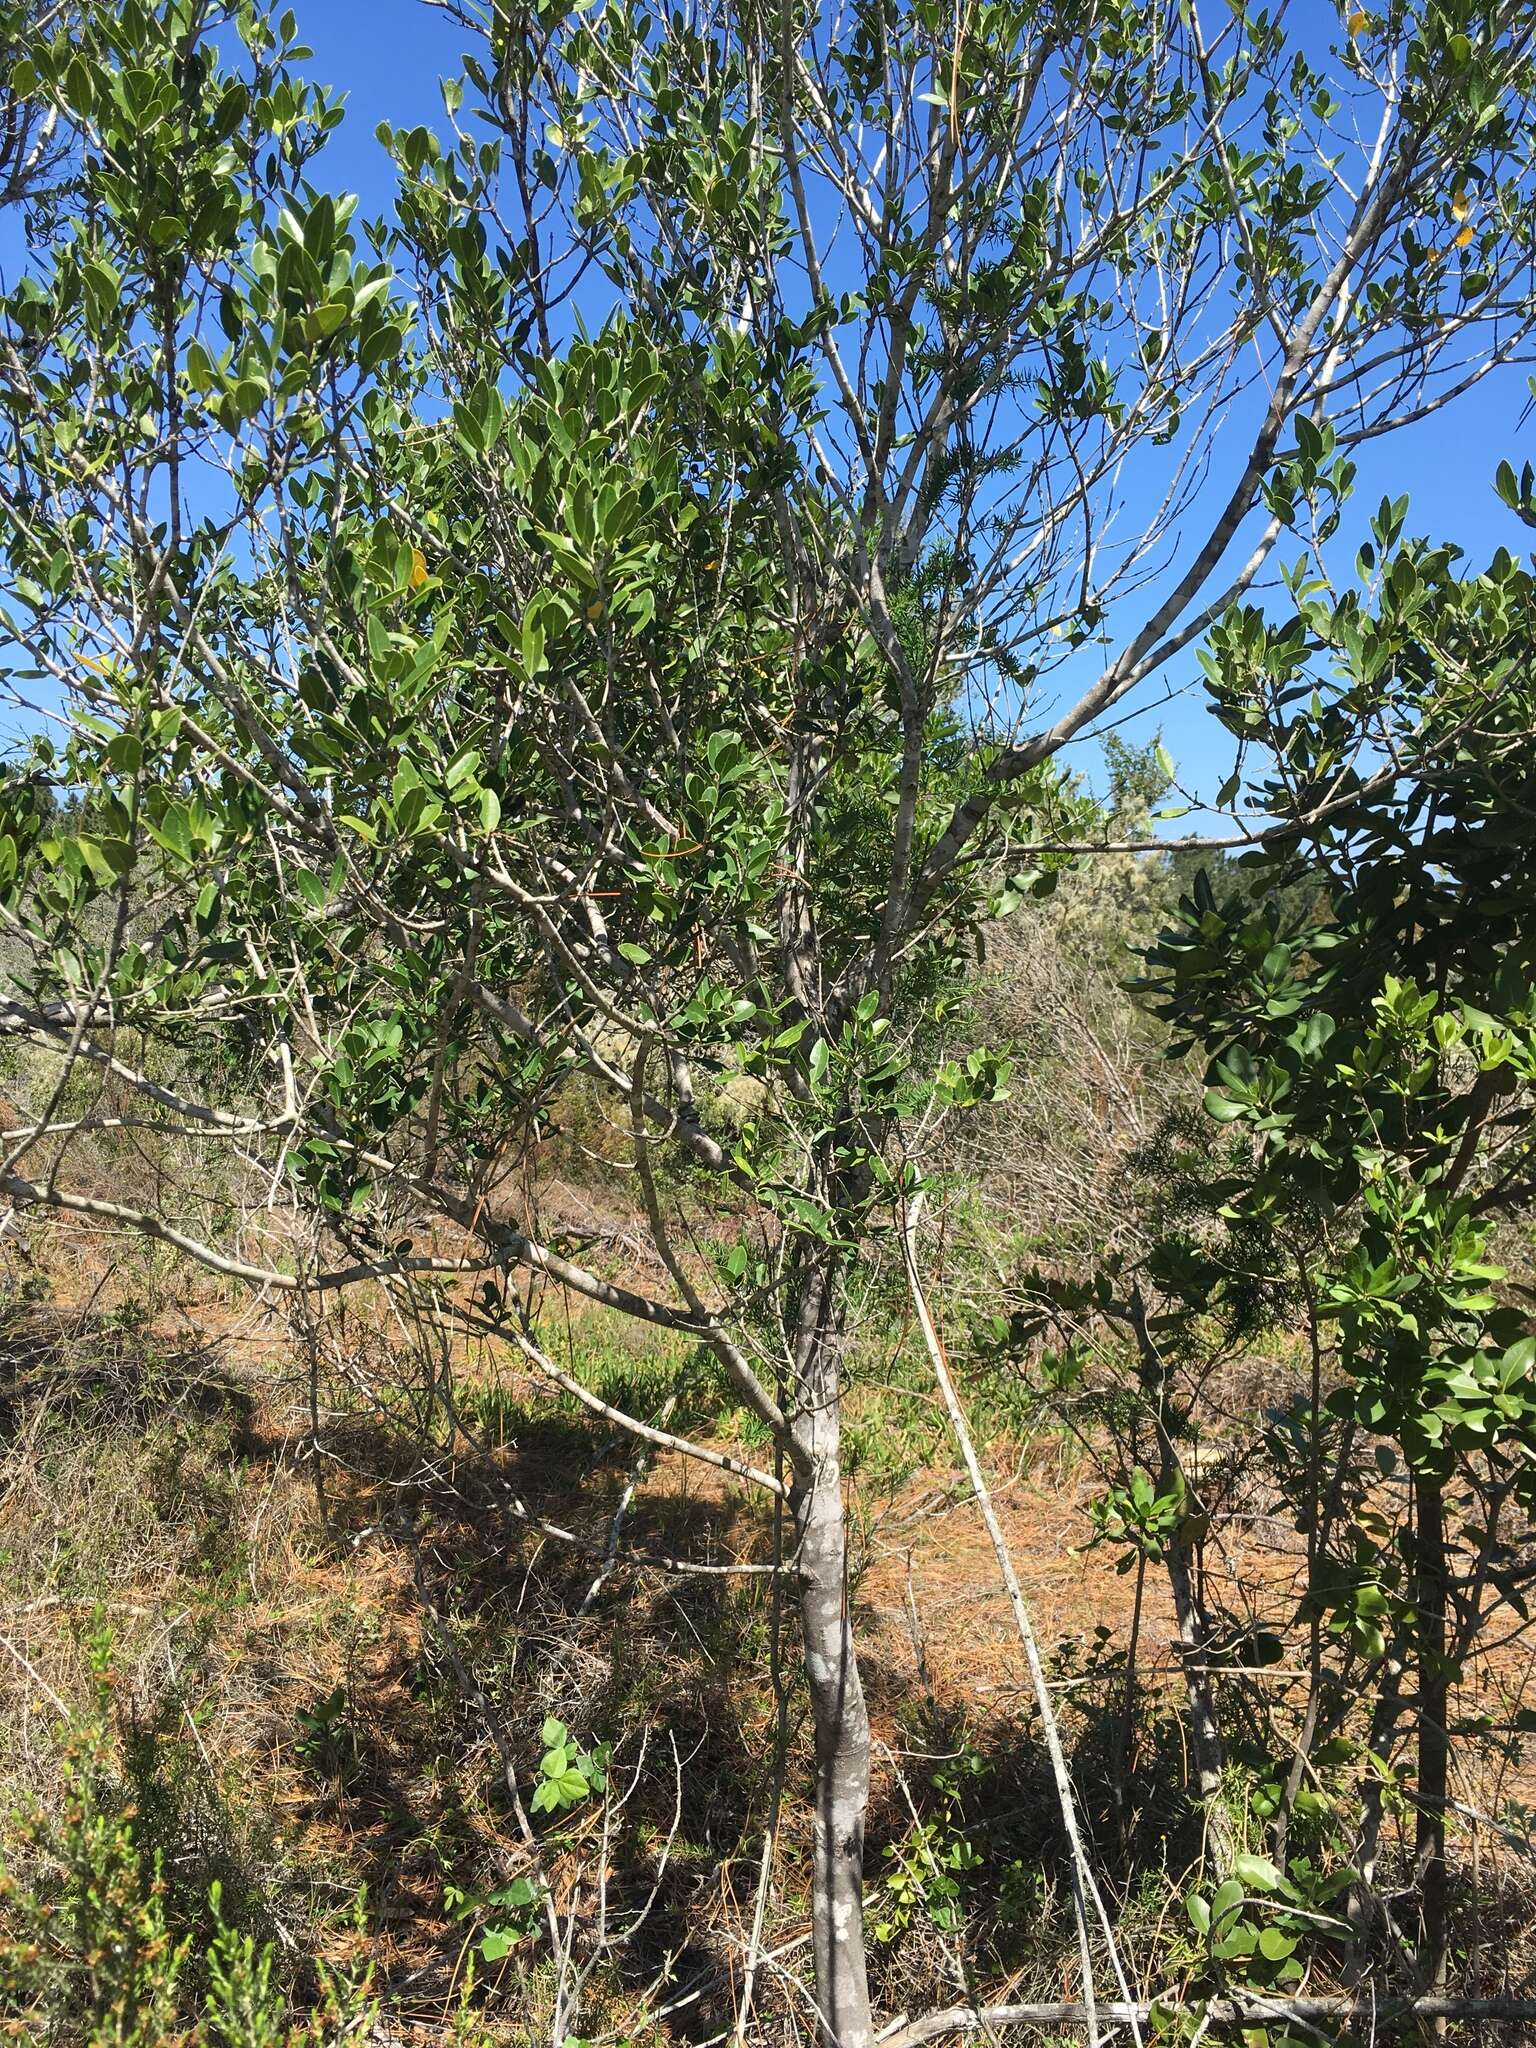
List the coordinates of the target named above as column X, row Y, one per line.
column 600, row 624
column 1365, row 1000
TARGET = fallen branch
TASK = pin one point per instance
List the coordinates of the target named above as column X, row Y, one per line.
column 1306, row 2012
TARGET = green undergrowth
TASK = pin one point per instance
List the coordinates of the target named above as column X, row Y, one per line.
column 105, row 1944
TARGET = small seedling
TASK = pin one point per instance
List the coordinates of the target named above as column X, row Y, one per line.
column 511, row 1910
column 326, row 1741
column 567, row 1774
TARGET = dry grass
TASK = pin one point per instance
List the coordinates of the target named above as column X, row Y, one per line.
column 300, row 1560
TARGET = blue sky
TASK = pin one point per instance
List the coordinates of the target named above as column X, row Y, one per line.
column 388, row 56
column 1445, row 466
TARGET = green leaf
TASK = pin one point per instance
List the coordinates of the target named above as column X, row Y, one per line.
column 1222, row 1107
column 102, row 857
column 1257, row 1873
column 327, row 319
column 174, row 831
column 1228, row 1896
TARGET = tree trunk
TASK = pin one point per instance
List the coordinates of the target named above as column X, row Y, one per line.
column 832, row 1678
column 1205, row 1747
column 1431, row 1599
column 1366, row 1909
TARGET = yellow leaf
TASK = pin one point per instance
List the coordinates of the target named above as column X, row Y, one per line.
column 1463, row 238
column 418, row 568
